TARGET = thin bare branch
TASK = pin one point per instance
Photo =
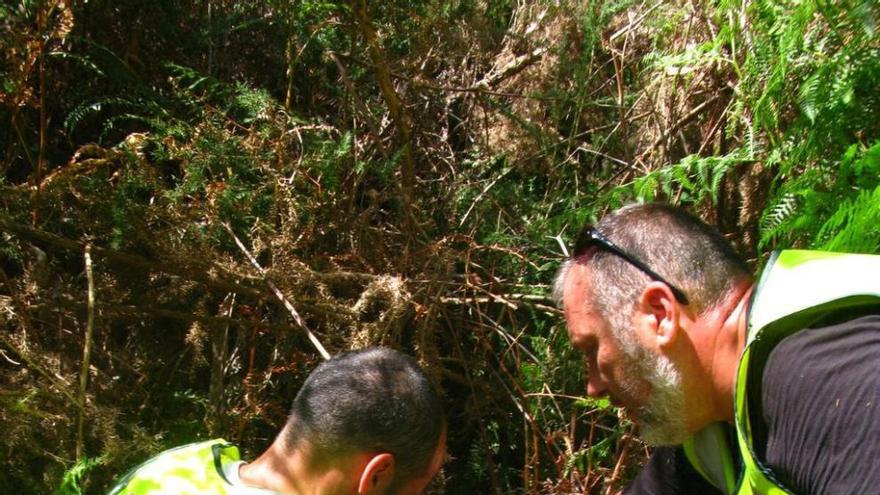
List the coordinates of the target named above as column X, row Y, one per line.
column 87, row 351
column 280, row 295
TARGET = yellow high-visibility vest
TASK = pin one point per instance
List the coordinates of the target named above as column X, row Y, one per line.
column 194, row 469
column 796, row 289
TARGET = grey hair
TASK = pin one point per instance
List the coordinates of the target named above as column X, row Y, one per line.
column 679, row 246
column 559, row 281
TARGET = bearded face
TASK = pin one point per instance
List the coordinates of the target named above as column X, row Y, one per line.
column 651, row 393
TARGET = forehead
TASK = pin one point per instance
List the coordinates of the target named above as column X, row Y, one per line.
column 583, row 322
column 576, row 288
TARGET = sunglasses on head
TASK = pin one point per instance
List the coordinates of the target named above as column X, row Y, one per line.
column 590, row 237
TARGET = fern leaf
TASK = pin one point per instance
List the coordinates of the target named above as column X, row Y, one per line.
column 808, row 96
column 78, row 114
column 855, row 226
column 778, row 215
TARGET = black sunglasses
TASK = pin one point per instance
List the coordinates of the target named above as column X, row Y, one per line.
column 590, row 237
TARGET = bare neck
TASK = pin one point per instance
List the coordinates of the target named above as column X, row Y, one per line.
column 727, row 348
column 273, row 470
column 722, row 336
column 295, row 473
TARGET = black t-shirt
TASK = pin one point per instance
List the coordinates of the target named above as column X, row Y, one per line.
column 818, row 430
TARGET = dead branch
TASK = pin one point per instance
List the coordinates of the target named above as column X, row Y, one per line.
column 515, row 66
column 78, row 164
column 621, row 461
column 629, row 27
column 60, row 384
column 476, row 88
column 296, row 317
column 219, row 344
column 474, row 396
column 58, row 381
column 201, row 275
column 17, row 302
column 361, row 106
column 392, row 99
column 87, row 351
column 678, row 125
column 128, row 311
column 197, row 273
column 507, row 300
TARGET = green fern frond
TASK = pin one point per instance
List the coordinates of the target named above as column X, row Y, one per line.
column 111, row 124
column 809, row 96
column 82, row 60
column 78, row 114
column 700, row 178
column 778, row 215
column 719, row 172
column 70, row 482
column 854, row 227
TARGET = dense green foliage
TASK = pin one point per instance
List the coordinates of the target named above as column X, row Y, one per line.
column 409, row 174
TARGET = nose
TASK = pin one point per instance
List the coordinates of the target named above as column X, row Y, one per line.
column 596, row 386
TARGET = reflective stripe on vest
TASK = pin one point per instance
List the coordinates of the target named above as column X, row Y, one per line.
column 191, row 469
column 796, row 289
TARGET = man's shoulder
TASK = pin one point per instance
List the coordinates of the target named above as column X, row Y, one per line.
column 192, row 468
column 832, row 353
column 819, row 391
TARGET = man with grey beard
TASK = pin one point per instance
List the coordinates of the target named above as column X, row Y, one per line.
column 745, row 388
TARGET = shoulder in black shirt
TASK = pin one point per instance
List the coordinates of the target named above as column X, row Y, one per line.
column 821, row 409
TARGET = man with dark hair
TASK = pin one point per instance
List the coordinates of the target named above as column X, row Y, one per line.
column 364, row 423
column 746, row 388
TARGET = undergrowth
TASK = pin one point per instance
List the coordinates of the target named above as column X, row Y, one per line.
column 435, row 227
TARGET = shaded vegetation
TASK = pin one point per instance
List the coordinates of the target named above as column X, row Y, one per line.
column 408, row 174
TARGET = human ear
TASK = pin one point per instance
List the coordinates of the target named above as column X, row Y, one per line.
column 377, row 475
column 660, row 313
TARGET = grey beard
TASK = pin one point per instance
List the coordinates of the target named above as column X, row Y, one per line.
column 661, row 419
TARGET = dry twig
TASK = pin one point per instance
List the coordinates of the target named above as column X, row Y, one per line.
column 87, row 351
column 296, row 317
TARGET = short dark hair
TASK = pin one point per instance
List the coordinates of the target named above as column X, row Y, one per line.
column 679, row 246
column 372, row 400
